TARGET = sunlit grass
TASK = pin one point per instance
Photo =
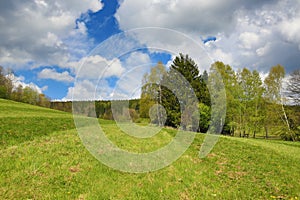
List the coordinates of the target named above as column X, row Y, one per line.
column 53, row 164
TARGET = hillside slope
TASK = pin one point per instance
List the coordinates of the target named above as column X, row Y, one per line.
column 42, row 157
column 22, row 122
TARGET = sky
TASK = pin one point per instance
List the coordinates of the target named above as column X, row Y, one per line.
column 91, row 49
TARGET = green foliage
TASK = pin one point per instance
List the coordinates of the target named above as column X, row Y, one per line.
column 252, row 106
column 273, row 84
column 232, row 90
column 205, row 116
column 152, row 91
column 5, row 85
column 20, row 94
column 186, row 66
column 3, row 92
column 276, row 113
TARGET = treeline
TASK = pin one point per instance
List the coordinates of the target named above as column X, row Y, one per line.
column 254, row 107
column 21, row 94
column 99, row 109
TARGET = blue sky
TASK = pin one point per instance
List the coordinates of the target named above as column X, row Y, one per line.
column 101, row 49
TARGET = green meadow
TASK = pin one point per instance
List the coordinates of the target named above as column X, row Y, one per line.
column 42, row 157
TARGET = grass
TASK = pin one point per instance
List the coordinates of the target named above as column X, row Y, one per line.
column 52, row 163
column 22, row 122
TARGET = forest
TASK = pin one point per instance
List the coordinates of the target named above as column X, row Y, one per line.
column 255, row 107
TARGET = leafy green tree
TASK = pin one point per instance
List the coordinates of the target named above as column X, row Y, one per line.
column 30, row 96
column 6, row 86
column 43, row 101
column 17, row 93
column 256, row 103
column 203, row 93
column 244, row 80
column 205, row 116
column 251, row 91
column 275, row 107
column 152, row 92
column 233, row 107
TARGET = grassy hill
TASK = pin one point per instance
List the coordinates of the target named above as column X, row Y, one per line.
column 42, row 157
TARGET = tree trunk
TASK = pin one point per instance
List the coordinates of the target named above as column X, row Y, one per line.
column 287, row 122
column 266, row 129
column 159, row 102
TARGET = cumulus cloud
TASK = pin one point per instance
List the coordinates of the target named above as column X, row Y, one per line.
column 83, row 90
column 136, row 59
column 255, row 34
column 93, row 73
column 190, row 16
column 20, row 81
column 291, row 29
column 89, row 90
column 32, row 32
column 95, row 67
column 129, row 84
column 54, row 75
column 249, row 40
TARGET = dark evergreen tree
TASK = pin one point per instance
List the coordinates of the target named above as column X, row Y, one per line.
column 177, row 109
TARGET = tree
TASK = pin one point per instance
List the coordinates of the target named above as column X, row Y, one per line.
column 204, row 121
column 43, row 101
column 179, row 106
column 256, row 114
column 233, row 107
column 6, row 86
column 17, row 93
column 244, row 80
column 203, row 93
column 152, row 93
column 293, row 87
column 275, row 107
column 251, row 90
column 30, row 96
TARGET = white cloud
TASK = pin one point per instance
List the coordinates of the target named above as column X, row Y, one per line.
column 84, row 90
column 263, row 50
column 254, row 34
column 136, row 59
column 191, row 16
column 92, row 77
column 51, row 40
column 94, row 67
column 220, row 55
column 130, row 83
column 89, row 90
column 34, row 31
column 248, row 40
column 291, row 29
column 54, row 75
column 17, row 81
column 44, row 88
